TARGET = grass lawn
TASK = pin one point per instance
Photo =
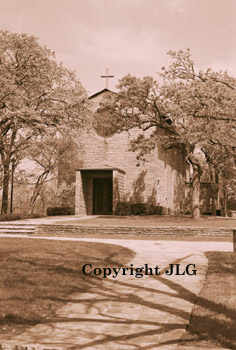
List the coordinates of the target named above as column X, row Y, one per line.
column 213, row 321
column 149, row 220
column 37, row 277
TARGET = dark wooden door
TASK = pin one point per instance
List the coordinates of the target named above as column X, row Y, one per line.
column 102, row 196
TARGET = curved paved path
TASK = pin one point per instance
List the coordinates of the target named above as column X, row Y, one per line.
column 128, row 313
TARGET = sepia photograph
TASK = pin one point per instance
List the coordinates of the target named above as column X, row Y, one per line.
column 117, row 174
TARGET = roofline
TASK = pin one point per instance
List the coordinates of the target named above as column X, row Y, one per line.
column 101, row 169
column 100, row 92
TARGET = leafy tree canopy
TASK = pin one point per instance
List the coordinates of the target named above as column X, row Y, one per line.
column 194, row 111
column 37, row 96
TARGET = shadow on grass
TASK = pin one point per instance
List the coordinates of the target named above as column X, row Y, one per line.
column 36, row 277
column 15, row 320
column 217, row 331
column 214, row 332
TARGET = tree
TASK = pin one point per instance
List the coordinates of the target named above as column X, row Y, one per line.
column 37, row 96
column 44, row 154
column 52, row 161
column 221, row 162
column 202, row 107
column 189, row 111
column 56, row 158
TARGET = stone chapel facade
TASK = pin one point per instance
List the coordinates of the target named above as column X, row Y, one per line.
column 110, row 173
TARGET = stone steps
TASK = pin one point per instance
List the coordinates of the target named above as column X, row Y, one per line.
column 17, row 228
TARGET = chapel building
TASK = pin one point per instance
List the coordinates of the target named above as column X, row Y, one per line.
column 110, row 172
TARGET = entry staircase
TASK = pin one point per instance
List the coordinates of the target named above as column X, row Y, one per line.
column 17, row 228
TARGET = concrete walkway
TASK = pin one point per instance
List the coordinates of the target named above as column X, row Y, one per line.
column 128, row 313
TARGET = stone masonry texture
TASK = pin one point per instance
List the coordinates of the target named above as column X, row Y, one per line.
column 167, row 231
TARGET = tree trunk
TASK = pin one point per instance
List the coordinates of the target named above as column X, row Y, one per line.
column 12, row 185
column 5, row 185
column 225, row 209
column 214, row 199
column 196, row 193
column 37, row 189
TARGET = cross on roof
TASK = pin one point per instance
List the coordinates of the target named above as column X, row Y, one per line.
column 107, row 76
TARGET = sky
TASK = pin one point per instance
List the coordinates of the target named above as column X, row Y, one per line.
column 126, row 36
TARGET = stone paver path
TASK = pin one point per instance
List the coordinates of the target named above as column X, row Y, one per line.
column 128, row 313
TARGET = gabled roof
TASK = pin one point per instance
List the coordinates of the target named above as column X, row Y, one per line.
column 100, row 92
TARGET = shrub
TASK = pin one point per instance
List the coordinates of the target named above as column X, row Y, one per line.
column 156, row 210
column 139, row 209
column 52, row 211
column 11, row 217
column 124, row 208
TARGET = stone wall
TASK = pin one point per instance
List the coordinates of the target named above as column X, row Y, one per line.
column 162, row 231
column 80, row 195
column 118, row 187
